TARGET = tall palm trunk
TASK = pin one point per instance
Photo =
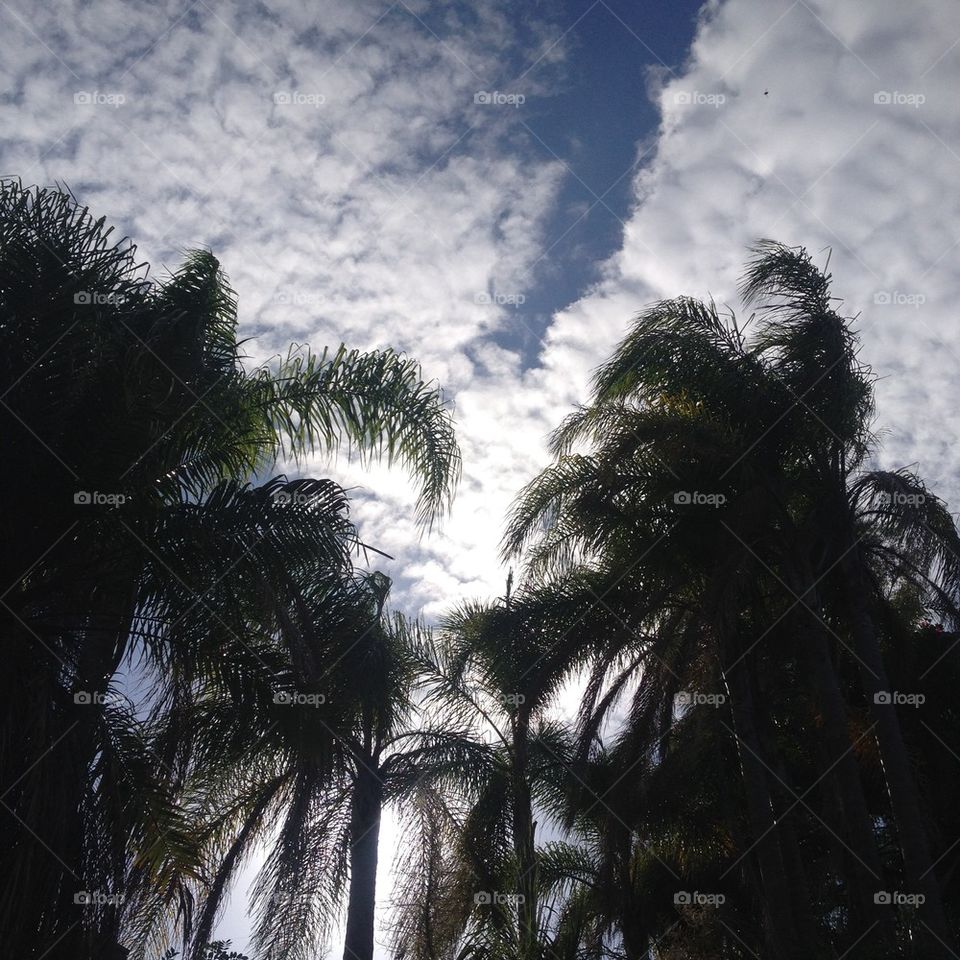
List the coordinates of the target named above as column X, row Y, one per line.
column 364, row 853
column 42, row 847
column 918, row 865
column 842, row 770
column 781, row 930
column 524, row 844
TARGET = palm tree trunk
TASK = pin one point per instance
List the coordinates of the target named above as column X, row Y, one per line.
column 780, row 927
column 933, row 932
column 364, row 853
column 783, row 800
column 524, row 845
column 865, row 865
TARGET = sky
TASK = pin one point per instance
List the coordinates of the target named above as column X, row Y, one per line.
column 498, row 188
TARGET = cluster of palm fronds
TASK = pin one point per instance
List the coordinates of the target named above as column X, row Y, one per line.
column 145, row 550
column 755, row 628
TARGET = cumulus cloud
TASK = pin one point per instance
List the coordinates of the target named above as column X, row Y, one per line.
column 336, row 161
column 344, row 162
column 830, row 125
column 813, row 123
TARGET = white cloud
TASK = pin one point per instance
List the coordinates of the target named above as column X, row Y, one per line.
column 799, row 151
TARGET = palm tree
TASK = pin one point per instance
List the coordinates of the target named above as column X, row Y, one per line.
column 689, row 403
column 119, row 389
column 872, row 528
column 299, row 752
column 617, row 505
column 494, row 671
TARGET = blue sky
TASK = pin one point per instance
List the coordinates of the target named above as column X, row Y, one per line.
column 597, row 119
column 335, row 159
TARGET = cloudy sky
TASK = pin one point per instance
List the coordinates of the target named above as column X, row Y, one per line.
column 497, row 190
